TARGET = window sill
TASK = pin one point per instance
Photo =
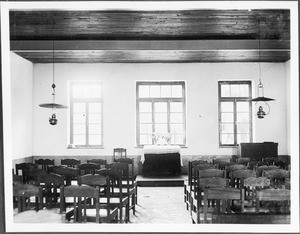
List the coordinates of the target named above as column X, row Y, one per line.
column 228, row 146
column 181, row 146
column 85, row 147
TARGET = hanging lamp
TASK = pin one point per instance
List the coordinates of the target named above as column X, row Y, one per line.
column 53, row 120
column 261, row 99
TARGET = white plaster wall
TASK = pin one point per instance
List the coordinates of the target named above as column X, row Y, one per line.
column 22, row 109
column 119, row 104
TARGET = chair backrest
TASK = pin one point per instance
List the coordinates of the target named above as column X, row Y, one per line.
column 282, row 196
column 100, row 162
column 212, row 172
column 80, row 195
column 44, row 163
column 119, row 153
column 87, row 168
column 238, row 175
column 223, row 164
column 25, row 168
column 260, row 169
column 130, row 162
column 277, row 177
column 271, row 160
column 70, row 162
column 244, row 161
column 254, row 164
column 69, row 173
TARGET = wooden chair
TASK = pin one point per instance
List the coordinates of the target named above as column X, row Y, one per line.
column 127, row 190
column 50, row 184
column 193, row 176
column 132, row 174
column 277, row 177
column 23, row 193
column 85, row 211
column 280, row 199
column 117, row 199
column 44, row 163
column 24, row 168
column 70, row 162
column 100, row 162
column 87, row 168
column 119, row 153
column 223, row 164
column 223, row 197
column 260, row 169
column 207, row 178
column 249, row 187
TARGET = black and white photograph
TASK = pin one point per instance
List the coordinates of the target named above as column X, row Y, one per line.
column 149, row 116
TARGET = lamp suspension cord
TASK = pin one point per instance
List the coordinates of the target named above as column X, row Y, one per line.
column 260, row 86
column 53, row 71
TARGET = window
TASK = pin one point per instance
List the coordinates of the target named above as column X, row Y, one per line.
column 86, row 114
column 160, row 113
column 235, row 115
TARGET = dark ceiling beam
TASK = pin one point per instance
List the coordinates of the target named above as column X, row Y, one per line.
column 185, row 45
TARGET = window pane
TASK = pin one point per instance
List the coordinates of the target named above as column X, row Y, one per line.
column 79, row 128
column 95, row 129
column 177, row 91
column 176, row 128
column 94, row 139
column 226, row 106
column 145, row 128
column 95, row 118
column 79, row 107
column 144, row 91
column 145, row 139
column 242, row 106
column 161, row 128
column 242, row 128
column 145, row 106
column 176, row 107
column 87, row 91
column 160, row 107
column 95, row 107
column 242, row 117
column 166, row 91
column 227, row 139
column 176, row 118
column 161, row 118
column 155, row 91
column 225, row 90
column 227, row 118
column 241, row 138
column 227, row 128
column 145, row 118
column 79, row 118
column 79, row 139
column 234, row 90
column 244, row 90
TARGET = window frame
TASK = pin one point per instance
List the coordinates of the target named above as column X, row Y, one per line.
column 234, row 100
column 87, row 101
column 159, row 100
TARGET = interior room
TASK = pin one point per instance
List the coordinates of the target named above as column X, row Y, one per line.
column 142, row 98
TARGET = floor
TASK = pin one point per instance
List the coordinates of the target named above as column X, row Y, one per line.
column 156, row 205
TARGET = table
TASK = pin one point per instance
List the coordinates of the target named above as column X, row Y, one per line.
column 160, row 160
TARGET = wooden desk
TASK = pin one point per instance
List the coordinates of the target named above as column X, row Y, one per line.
column 161, row 160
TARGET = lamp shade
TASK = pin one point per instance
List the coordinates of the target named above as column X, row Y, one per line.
column 53, row 105
column 262, row 99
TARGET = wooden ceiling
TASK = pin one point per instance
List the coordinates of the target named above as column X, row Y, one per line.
column 151, row 36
